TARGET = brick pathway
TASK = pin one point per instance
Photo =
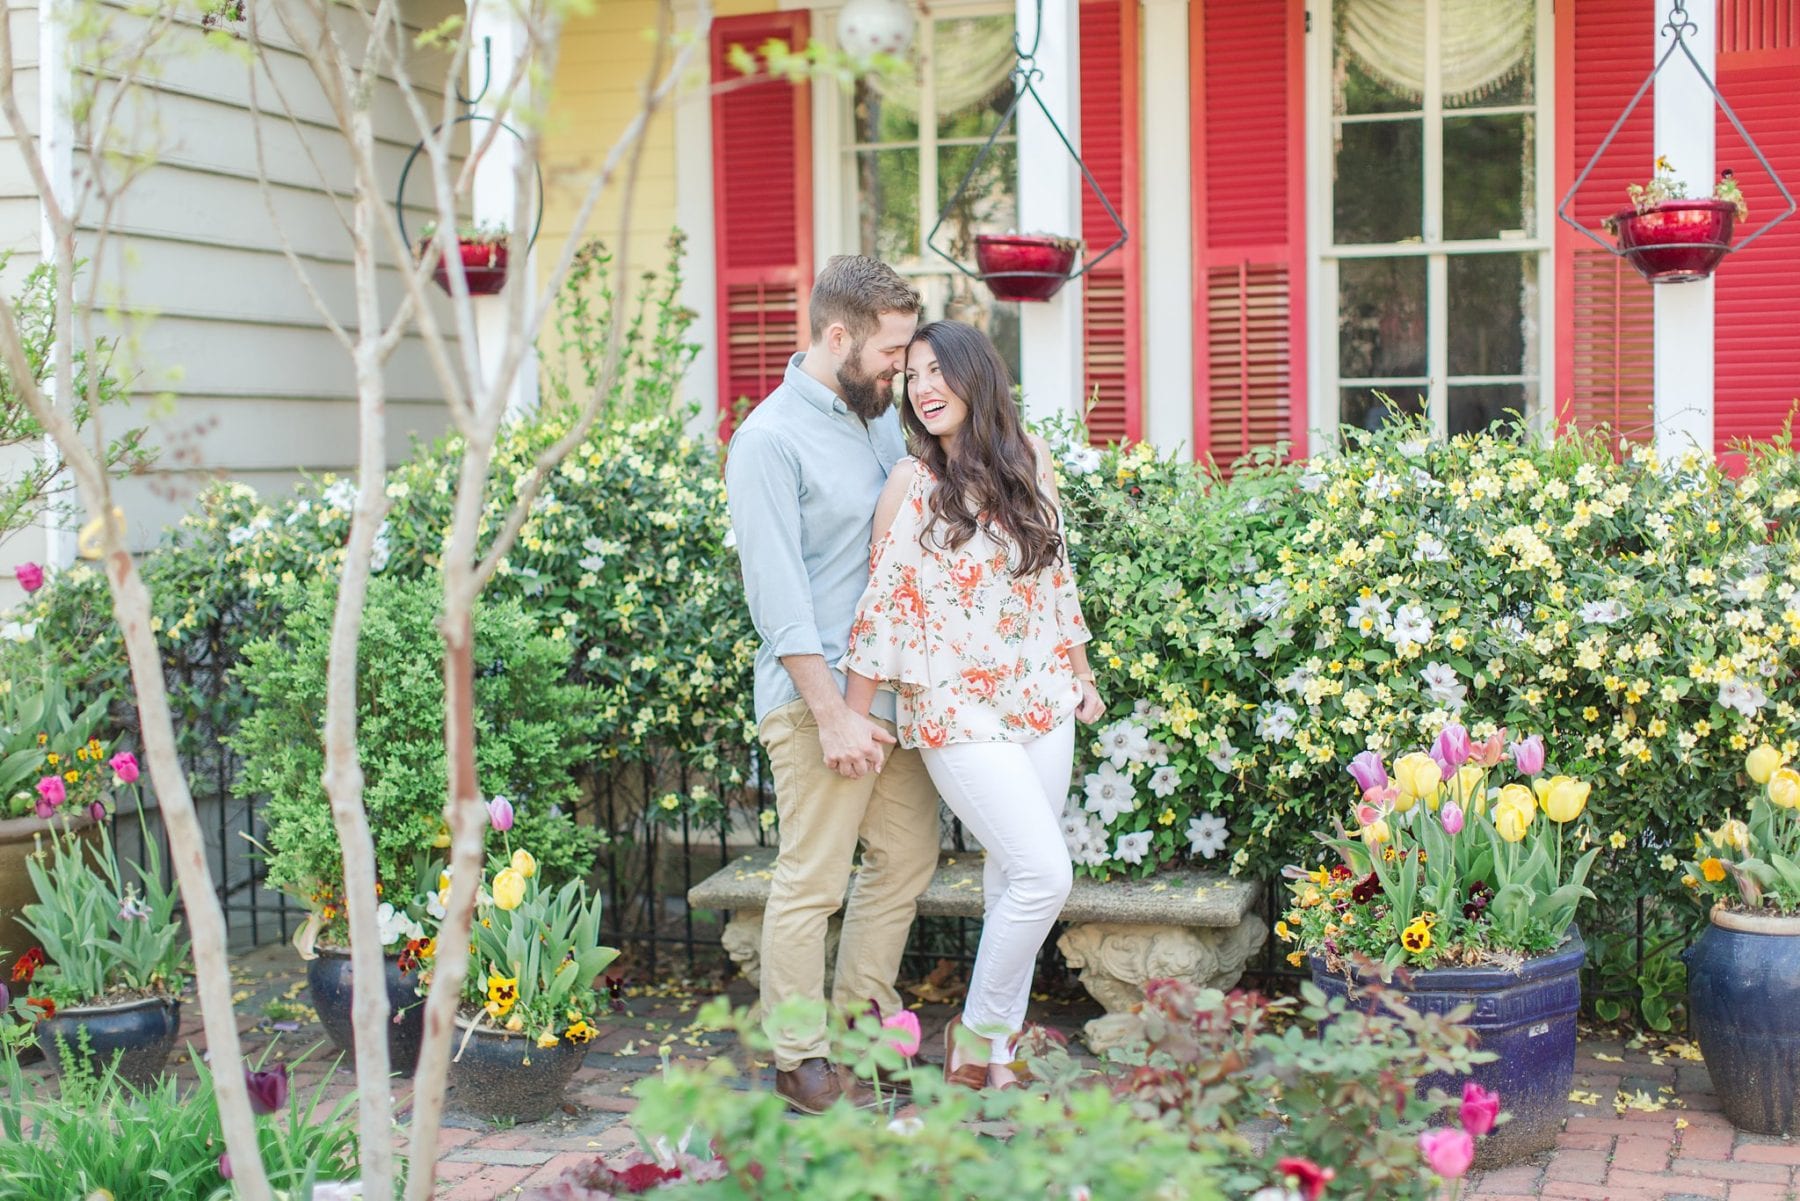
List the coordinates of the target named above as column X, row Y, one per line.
column 1643, row 1123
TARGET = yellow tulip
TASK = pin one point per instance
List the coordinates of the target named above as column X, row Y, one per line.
column 1732, row 833
column 509, row 889
column 1566, row 798
column 1404, row 801
column 1762, row 762
column 1511, row 821
column 1418, row 776
column 523, row 863
column 1519, row 796
column 1784, row 787
column 1375, row 833
column 1468, row 781
column 1540, row 787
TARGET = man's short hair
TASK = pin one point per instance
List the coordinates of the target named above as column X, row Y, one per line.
column 854, row 290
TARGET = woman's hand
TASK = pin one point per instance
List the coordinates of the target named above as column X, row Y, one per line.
column 1091, row 707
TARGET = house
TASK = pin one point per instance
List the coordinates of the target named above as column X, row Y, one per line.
column 1326, row 199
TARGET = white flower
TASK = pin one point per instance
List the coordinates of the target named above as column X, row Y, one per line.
column 1427, row 549
column 1744, row 697
column 1295, row 681
column 1312, row 481
column 341, row 495
column 239, row 535
column 1125, row 742
column 906, row 1127
column 1275, row 1193
column 1221, row 756
column 1133, row 847
column 1410, row 625
column 1414, row 447
column 1164, row 781
column 379, row 552
column 14, row 631
column 393, row 925
column 1110, row 793
column 1368, row 615
column 595, row 562
column 1081, row 460
column 1510, row 628
column 1604, row 612
column 1381, row 486
column 1441, row 685
column 1269, row 601
column 435, row 908
column 1276, row 723
column 1207, row 835
column 301, row 509
column 132, row 909
column 730, row 540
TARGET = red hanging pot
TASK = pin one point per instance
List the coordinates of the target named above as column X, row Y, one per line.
column 1675, row 241
column 1024, row 266
column 484, row 265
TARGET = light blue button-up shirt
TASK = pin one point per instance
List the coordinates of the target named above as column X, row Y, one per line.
column 802, row 478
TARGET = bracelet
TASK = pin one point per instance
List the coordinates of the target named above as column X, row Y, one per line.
column 1085, row 676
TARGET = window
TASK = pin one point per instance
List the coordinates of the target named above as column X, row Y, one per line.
column 907, row 144
column 1434, row 232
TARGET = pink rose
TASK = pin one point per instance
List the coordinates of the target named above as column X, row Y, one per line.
column 1448, row 1152
column 1480, row 1109
column 30, row 576
column 125, row 766
column 52, row 791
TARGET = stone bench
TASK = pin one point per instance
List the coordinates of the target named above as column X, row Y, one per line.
column 1193, row 925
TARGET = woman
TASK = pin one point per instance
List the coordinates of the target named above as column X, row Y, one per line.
column 972, row 618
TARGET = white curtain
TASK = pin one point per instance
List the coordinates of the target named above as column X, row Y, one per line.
column 1485, row 43
column 972, row 59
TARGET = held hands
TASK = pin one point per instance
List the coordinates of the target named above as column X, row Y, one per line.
column 854, row 745
column 1091, row 707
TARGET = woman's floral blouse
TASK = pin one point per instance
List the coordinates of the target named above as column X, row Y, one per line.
column 973, row 653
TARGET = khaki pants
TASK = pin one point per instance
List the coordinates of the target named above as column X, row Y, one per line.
column 893, row 814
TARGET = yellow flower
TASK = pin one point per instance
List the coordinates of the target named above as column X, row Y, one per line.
column 1295, row 957
column 580, row 1032
column 1418, row 776
column 548, row 1038
column 1375, row 833
column 1511, row 821
column 1516, row 795
column 1618, row 840
column 52, row 758
column 71, row 776
column 1468, row 781
column 1713, row 870
column 523, row 863
column 1283, row 933
column 1416, row 937
column 1565, row 799
column 509, row 889
column 1762, row 762
column 503, row 993
column 1732, row 833
column 441, row 839
column 1784, row 787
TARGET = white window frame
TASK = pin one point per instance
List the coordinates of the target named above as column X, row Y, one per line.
column 1323, row 256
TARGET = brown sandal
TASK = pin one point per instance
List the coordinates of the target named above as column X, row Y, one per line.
column 968, row 1075
column 1012, row 1073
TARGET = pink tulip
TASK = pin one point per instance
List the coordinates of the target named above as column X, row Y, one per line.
column 1452, row 817
column 30, row 576
column 1367, row 770
column 1489, row 752
column 224, row 1167
column 500, row 813
column 1480, row 1109
column 125, row 766
column 51, row 791
column 905, row 1034
column 1528, row 755
column 1448, row 1152
column 44, row 809
column 96, row 810
column 1452, row 749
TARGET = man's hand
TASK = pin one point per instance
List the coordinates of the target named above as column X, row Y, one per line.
column 854, row 745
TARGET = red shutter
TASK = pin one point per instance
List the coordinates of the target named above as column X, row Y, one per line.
column 1756, row 376
column 1248, row 126
column 1110, row 298
column 762, row 212
column 1604, row 340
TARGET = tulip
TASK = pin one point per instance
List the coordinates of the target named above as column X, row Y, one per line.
column 1566, row 799
column 509, row 889
column 500, row 813
column 268, row 1090
column 125, row 767
column 905, row 1034
column 1517, row 795
column 1367, row 770
column 1418, row 776
column 1304, row 1176
column 1528, row 755
column 1511, row 821
column 1732, row 833
column 523, row 863
column 1762, row 762
column 51, row 791
column 1452, row 817
column 5, row 999
column 1784, row 787
column 30, row 576
column 1375, row 833
column 1480, row 1109
column 1448, row 1152
column 1489, row 752
column 224, row 1167
column 96, row 810
column 1452, row 749
column 1468, row 781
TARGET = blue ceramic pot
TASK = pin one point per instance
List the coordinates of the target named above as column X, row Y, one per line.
column 140, row 1033
column 1744, row 1005
column 1527, row 1018
column 328, row 979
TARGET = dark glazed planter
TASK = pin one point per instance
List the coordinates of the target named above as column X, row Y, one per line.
column 141, row 1032
column 1024, row 268
column 1677, row 241
column 508, row 1077
column 1527, row 1018
column 484, row 267
column 328, row 979
column 1744, row 1003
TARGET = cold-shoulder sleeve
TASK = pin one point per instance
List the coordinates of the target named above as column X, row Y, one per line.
column 888, row 641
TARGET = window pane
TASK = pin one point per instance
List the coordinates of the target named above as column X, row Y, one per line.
column 887, row 190
column 885, row 113
column 971, row 74
column 1477, row 406
column 1488, row 177
column 1378, row 57
column 970, row 301
column 1488, row 50
column 1381, row 318
column 1490, row 299
column 1377, row 194
column 1358, row 91
column 990, row 202
column 1365, row 409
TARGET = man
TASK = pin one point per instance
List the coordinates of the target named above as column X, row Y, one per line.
column 803, row 475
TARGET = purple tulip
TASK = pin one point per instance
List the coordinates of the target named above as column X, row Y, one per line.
column 1452, row 817
column 1452, row 749
column 44, row 809
column 1367, row 770
column 500, row 812
column 268, row 1090
column 96, row 810
column 1528, row 755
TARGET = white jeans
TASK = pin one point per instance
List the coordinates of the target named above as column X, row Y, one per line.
column 1010, row 795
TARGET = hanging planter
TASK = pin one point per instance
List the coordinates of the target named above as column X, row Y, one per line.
column 483, row 252
column 1025, row 266
column 1675, row 241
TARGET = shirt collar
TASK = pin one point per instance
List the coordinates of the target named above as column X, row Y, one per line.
column 816, row 394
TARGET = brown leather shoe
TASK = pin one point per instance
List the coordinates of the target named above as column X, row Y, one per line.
column 861, row 1092
column 810, row 1088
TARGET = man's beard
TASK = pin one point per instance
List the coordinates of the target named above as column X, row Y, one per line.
column 863, row 394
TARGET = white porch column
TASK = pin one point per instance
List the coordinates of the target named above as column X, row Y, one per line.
column 1685, row 117
column 494, row 193
column 1168, row 273
column 694, row 216
column 1050, row 189
column 56, row 140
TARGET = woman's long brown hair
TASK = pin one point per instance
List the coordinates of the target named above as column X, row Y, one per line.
column 992, row 480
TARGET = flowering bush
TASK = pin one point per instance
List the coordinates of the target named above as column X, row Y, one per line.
column 1754, row 865
column 49, row 756
column 1442, row 868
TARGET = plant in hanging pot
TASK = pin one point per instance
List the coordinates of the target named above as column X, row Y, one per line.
column 529, row 1006
column 1744, row 971
column 1025, row 266
column 1671, row 238
column 1468, row 891
column 483, row 249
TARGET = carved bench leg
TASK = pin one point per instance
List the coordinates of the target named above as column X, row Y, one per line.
column 742, row 940
column 1117, row 959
